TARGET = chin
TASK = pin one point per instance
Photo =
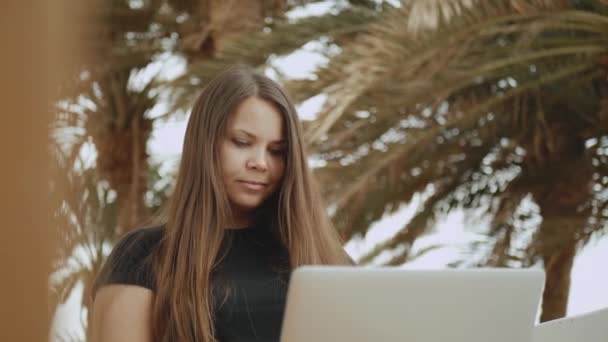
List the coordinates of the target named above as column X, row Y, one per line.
column 248, row 203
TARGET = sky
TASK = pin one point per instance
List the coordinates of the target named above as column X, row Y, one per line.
column 589, row 286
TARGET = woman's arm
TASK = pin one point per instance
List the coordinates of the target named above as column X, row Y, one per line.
column 122, row 313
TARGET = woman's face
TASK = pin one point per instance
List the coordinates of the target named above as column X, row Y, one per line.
column 252, row 154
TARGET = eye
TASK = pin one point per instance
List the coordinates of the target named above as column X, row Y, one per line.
column 240, row 142
column 278, row 151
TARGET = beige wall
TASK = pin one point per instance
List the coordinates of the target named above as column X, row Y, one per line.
column 31, row 39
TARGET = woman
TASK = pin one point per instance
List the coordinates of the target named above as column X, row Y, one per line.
column 244, row 213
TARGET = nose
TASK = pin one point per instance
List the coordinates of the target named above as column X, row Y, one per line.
column 257, row 161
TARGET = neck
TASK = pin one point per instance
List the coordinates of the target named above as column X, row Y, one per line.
column 240, row 219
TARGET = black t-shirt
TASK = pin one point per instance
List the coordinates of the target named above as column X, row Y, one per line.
column 254, row 269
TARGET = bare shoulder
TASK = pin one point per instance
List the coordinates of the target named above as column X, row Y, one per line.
column 122, row 313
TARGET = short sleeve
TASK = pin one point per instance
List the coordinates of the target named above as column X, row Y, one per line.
column 131, row 262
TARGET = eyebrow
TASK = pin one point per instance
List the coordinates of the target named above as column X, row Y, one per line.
column 281, row 141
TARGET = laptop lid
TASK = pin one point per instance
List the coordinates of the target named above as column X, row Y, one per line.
column 354, row 304
column 589, row 327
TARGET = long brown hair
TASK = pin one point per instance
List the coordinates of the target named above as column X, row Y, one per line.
column 199, row 209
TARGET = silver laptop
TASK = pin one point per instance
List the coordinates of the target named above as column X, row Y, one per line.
column 354, row 304
column 589, row 327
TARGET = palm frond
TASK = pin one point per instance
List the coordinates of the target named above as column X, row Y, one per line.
column 255, row 48
column 446, row 64
column 416, row 227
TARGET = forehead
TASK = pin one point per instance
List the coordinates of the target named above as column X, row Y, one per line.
column 258, row 117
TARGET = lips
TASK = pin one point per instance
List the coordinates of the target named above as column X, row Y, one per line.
column 253, row 185
column 253, row 182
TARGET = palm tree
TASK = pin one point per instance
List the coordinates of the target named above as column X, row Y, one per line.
column 479, row 105
column 108, row 103
column 113, row 96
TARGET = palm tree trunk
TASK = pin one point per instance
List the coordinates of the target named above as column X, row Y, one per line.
column 130, row 195
column 130, row 202
column 559, row 174
column 123, row 160
column 561, row 198
column 558, row 266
